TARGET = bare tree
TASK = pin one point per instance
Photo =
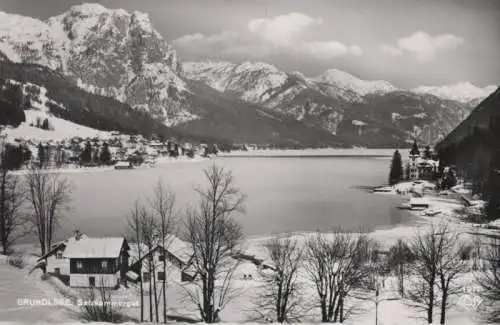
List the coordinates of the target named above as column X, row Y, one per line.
column 450, row 266
column 163, row 205
column 214, row 235
column 134, row 220
column 48, row 196
column 489, row 280
column 150, row 238
column 281, row 288
column 12, row 218
column 437, row 264
column 400, row 257
column 336, row 266
column 98, row 306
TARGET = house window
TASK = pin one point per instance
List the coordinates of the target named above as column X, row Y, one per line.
column 161, row 257
column 104, row 265
column 161, row 276
column 59, row 255
column 57, row 270
column 79, row 265
column 145, row 276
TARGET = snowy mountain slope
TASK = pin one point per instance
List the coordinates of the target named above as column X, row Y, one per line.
column 38, row 108
column 109, row 52
column 463, row 92
column 347, row 81
column 115, row 53
column 336, row 102
column 51, row 92
column 480, row 117
column 61, row 129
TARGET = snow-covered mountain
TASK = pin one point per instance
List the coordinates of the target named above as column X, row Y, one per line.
column 347, row 81
column 336, row 101
column 463, row 92
column 109, row 52
column 253, row 82
column 119, row 54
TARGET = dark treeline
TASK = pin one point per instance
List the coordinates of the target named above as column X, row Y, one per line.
column 12, row 104
column 476, row 159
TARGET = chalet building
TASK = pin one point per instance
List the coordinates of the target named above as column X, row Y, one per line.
column 55, row 261
column 96, row 262
column 178, row 255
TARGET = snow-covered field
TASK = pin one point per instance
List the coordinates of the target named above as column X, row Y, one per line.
column 62, row 129
column 18, row 283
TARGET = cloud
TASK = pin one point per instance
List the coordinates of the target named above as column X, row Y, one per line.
column 265, row 37
column 281, row 30
column 328, row 50
column 422, row 45
column 222, row 39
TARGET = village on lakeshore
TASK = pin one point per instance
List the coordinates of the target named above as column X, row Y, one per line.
column 119, row 150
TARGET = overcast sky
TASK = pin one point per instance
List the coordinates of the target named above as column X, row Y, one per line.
column 407, row 42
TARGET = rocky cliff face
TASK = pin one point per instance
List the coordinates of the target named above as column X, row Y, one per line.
column 109, row 52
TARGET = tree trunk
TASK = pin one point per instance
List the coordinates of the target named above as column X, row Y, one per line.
column 150, row 290
column 155, row 293
column 430, row 304
column 341, row 309
column 3, row 221
column 164, row 287
column 443, row 306
column 142, row 298
column 401, row 280
column 324, row 314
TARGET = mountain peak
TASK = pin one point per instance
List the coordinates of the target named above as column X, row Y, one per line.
column 463, row 91
column 92, row 9
column 349, row 82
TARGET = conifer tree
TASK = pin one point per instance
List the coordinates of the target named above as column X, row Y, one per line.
column 86, row 156
column 42, row 155
column 45, row 124
column 414, row 149
column 396, row 172
column 492, row 188
column 427, row 153
column 105, row 157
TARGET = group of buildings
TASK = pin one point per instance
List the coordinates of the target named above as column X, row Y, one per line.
column 421, row 165
column 85, row 262
column 121, row 148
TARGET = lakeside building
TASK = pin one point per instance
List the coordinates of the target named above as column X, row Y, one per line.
column 86, row 262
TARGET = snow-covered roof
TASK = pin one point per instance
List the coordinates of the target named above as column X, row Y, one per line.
column 178, row 248
column 108, row 247
column 132, row 275
column 122, row 164
column 419, row 201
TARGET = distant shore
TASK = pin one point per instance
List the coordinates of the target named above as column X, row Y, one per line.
column 328, row 152
column 77, row 169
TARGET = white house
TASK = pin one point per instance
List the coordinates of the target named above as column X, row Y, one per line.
column 55, row 261
column 178, row 256
column 95, row 262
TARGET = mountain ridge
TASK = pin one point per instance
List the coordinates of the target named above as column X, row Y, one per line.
column 118, row 54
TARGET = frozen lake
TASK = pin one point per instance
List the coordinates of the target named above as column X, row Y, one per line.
column 285, row 193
